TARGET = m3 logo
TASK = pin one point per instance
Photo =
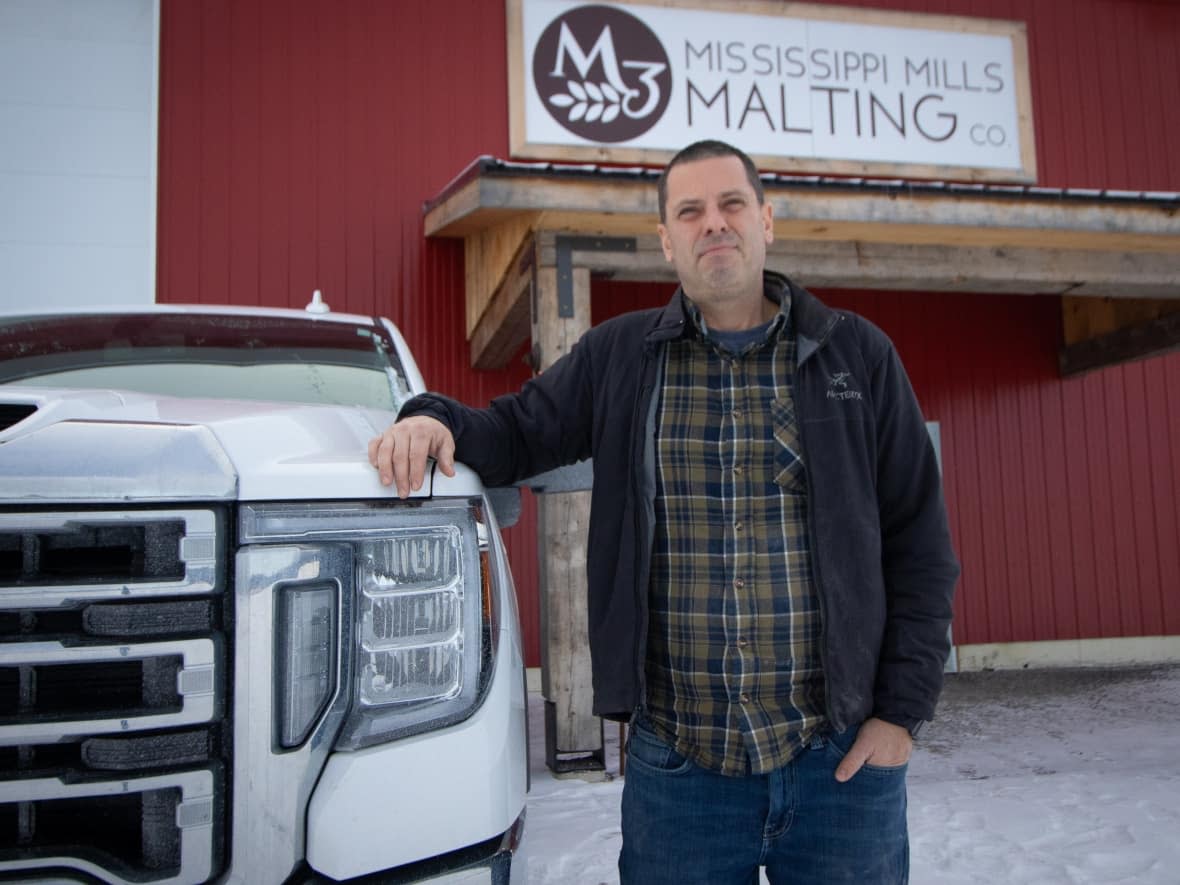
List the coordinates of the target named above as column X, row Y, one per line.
column 602, row 74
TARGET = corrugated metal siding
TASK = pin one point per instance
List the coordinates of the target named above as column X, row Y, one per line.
column 298, row 141
column 299, row 138
column 1064, row 495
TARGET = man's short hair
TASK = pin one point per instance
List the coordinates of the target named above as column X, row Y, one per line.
column 704, row 150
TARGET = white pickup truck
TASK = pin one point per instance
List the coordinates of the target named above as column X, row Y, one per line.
column 227, row 653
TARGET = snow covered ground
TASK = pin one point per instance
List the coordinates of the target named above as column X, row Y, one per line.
column 1025, row 778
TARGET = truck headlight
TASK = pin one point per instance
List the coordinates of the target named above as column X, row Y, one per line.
column 419, row 644
column 411, row 617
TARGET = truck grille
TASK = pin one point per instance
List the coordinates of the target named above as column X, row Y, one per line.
column 113, row 678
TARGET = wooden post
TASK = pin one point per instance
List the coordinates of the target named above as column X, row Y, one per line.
column 573, row 735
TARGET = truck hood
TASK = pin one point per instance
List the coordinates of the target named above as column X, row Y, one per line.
column 105, row 445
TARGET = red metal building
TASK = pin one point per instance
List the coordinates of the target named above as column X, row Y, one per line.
column 299, row 140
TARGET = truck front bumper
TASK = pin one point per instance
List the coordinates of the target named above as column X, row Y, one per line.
column 497, row 861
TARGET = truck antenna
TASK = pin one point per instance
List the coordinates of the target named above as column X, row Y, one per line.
column 317, row 305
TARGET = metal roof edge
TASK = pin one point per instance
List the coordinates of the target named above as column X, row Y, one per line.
column 493, row 166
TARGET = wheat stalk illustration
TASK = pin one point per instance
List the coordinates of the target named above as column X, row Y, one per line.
column 588, row 101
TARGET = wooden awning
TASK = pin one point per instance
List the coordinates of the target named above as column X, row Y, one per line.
column 1114, row 255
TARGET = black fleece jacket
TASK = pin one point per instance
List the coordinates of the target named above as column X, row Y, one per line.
column 881, row 549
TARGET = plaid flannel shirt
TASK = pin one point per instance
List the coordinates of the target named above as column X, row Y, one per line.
column 734, row 679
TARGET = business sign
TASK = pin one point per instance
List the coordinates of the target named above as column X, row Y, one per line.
column 798, row 87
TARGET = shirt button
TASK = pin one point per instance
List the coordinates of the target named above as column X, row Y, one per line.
column 743, row 643
column 739, row 470
column 744, row 698
column 739, row 583
column 737, row 526
column 737, row 413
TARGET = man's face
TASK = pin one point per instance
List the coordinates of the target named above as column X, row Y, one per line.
column 716, row 235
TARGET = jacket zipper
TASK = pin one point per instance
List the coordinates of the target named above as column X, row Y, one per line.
column 811, row 535
column 644, row 530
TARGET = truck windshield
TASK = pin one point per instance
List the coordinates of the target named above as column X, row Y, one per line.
column 284, row 359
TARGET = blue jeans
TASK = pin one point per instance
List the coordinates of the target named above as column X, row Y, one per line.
column 684, row 824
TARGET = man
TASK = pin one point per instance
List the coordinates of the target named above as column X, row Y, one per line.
column 770, row 570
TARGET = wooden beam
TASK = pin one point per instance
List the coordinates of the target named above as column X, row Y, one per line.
column 1086, row 318
column 929, row 268
column 628, row 207
column 505, row 323
column 1154, row 337
column 451, row 210
column 489, row 256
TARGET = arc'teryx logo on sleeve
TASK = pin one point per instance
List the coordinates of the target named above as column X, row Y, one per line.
column 838, row 387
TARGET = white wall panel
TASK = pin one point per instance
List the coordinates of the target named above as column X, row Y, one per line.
column 58, row 268
column 73, row 210
column 77, row 152
column 103, row 75
column 75, row 141
column 100, row 21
